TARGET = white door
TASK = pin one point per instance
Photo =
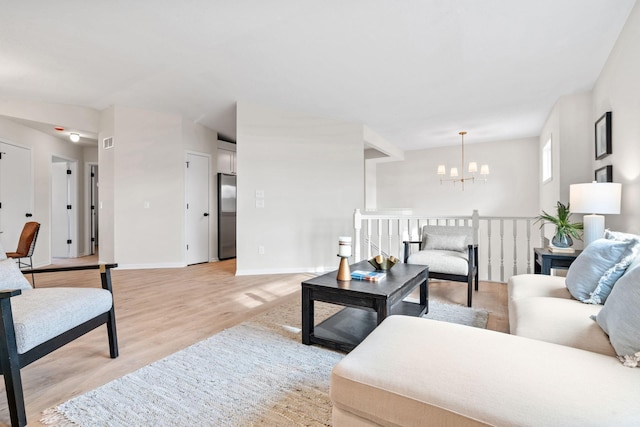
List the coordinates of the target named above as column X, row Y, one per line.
column 16, row 193
column 64, row 242
column 197, row 208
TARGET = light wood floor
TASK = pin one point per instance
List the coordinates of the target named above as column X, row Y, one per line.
column 160, row 311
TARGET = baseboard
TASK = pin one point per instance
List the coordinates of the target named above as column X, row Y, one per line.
column 148, row 266
column 267, row 271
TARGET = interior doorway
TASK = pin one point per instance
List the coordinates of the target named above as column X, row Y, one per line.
column 64, row 216
column 16, row 193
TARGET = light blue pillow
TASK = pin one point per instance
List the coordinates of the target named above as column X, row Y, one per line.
column 594, row 272
column 620, row 317
column 618, row 235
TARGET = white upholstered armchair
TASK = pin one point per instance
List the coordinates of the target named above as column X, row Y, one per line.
column 451, row 252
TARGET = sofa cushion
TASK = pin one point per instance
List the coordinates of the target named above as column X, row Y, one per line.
column 559, row 321
column 620, row 317
column 537, row 285
column 457, row 375
column 11, row 277
column 448, row 262
column 595, row 271
column 44, row 313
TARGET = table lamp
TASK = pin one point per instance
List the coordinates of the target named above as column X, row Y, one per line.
column 596, row 199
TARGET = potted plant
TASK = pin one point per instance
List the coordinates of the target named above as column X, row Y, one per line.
column 565, row 229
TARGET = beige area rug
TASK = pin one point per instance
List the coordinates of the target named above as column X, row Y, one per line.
column 256, row 373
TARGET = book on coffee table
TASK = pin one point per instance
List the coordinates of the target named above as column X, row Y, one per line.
column 372, row 276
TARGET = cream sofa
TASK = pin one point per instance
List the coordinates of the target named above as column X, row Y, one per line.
column 557, row 367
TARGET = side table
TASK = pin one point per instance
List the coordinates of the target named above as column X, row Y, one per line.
column 545, row 260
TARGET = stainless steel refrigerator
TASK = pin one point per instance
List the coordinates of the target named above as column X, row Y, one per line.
column 226, row 216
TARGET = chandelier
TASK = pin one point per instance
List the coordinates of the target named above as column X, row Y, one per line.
column 473, row 169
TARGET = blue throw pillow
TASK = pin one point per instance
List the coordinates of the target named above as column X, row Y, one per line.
column 620, row 317
column 594, row 272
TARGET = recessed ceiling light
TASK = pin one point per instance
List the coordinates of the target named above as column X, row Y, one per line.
column 74, row 137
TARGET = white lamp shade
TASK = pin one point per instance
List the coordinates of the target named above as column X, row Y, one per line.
column 441, row 170
column 595, row 198
column 484, row 170
column 473, row 167
column 454, row 171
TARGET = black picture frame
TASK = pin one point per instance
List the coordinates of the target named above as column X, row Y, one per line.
column 604, row 174
column 603, row 136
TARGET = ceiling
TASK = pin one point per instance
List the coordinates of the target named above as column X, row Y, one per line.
column 414, row 71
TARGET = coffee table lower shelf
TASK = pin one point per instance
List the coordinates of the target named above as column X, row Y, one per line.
column 347, row 328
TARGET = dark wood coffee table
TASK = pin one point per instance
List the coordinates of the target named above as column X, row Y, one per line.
column 367, row 304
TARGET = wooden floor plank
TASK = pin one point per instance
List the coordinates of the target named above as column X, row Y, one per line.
column 161, row 311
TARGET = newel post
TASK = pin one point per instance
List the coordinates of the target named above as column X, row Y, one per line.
column 357, row 226
column 475, row 223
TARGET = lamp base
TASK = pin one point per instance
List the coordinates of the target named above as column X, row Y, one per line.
column 344, row 273
column 593, row 226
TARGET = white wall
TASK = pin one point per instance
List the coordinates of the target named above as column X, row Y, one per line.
column 570, row 129
column 142, row 189
column 618, row 90
column 106, row 179
column 571, row 124
column 511, row 190
column 311, row 170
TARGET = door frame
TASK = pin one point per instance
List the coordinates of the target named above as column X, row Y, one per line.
column 88, row 244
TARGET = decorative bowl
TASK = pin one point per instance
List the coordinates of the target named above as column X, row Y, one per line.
column 382, row 263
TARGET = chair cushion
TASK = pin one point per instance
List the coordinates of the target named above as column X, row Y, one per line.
column 44, row 313
column 446, row 262
column 445, row 230
column 11, row 277
column 442, row 242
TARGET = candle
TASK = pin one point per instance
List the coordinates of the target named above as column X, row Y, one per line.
column 344, row 246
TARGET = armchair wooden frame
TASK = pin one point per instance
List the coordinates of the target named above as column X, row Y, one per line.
column 472, row 253
column 26, row 246
column 11, row 362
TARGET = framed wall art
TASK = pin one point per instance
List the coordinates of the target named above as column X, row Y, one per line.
column 603, row 135
column 604, row 174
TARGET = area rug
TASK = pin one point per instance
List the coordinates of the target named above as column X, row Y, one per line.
column 458, row 314
column 256, row 373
